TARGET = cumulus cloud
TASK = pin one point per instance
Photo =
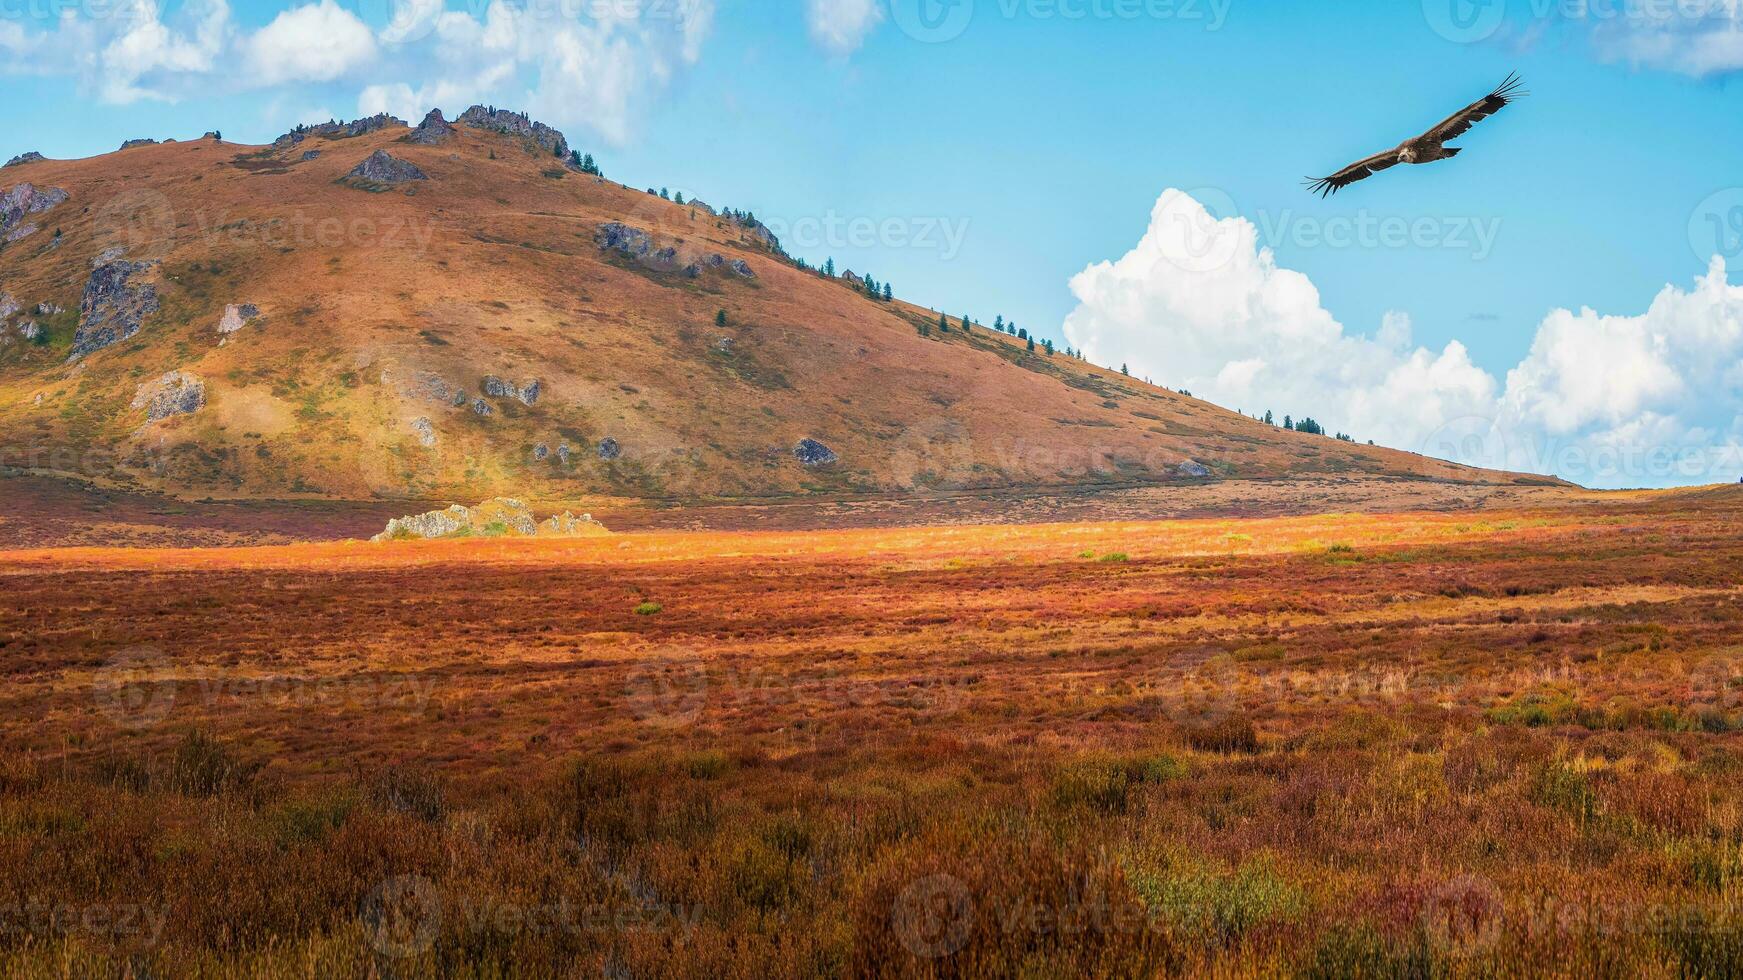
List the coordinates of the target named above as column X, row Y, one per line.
column 317, row 42
column 1654, row 399
column 589, row 64
column 1694, row 37
column 840, row 26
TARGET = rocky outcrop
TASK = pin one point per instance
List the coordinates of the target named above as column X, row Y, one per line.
column 176, row 393
column 851, row 278
column 499, row 517
column 563, row 454
column 8, row 305
column 115, row 304
column 20, row 202
column 525, row 392
column 1193, row 470
column 637, row 244
column 813, row 453
column 236, row 317
column 541, row 452
column 29, row 330
column 130, row 144
column 311, row 155
column 535, row 133
column 384, row 169
column 434, row 129
column 427, row 384
column 425, row 430
column 609, row 449
column 21, row 158
column 337, row 129
column 481, row 408
column 743, row 268
column 20, row 233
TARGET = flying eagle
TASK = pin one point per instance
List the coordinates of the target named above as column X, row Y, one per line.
column 1426, row 148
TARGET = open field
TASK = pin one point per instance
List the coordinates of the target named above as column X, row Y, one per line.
column 1411, row 744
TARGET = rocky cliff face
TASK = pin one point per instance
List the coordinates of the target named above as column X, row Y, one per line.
column 18, row 203
column 517, row 124
column 115, row 304
column 434, row 129
column 385, row 169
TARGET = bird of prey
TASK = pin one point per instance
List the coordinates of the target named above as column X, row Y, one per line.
column 1428, row 147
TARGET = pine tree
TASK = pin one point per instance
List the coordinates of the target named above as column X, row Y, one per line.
column 1049, row 346
column 829, row 267
column 943, row 323
column 1124, row 371
column 887, row 296
column 999, row 323
column 1031, row 345
column 965, row 327
column 1021, row 334
column 664, row 195
column 1268, row 419
column 720, row 319
column 678, row 198
column 1288, row 423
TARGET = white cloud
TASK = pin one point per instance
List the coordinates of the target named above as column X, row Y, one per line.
column 1653, row 399
column 840, row 26
column 1694, row 37
column 316, row 42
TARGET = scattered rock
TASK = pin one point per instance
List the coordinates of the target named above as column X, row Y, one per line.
column 20, row 233
column 434, row 129
column 743, row 268
column 24, row 200
column 311, row 155
column 639, row 245
column 21, row 158
column 541, row 452
column 211, row 134
column 385, row 169
column 516, row 124
column 527, row 392
column 8, row 305
column 48, row 309
column 114, row 305
column 426, row 384
column 499, row 517
column 29, row 330
column 1193, row 470
column 176, row 393
column 563, row 454
column 609, row 449
column 425, row 431
column 481, row 408
column 236, row 317
column 725, row 345
column 130, row 144
column 813, row 453
column 337, row 130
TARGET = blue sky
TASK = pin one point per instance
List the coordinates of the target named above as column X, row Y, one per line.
column 995, row 163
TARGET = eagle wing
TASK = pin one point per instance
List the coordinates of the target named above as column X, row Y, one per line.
column 1460, row 122
column 1326, row 186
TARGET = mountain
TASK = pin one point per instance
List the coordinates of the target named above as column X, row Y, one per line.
column 457, row 310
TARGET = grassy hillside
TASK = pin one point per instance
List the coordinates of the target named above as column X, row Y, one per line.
column 383, row 309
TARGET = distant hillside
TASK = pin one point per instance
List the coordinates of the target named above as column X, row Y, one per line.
column 457, row 311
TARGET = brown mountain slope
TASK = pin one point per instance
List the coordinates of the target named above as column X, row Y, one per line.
column 382, row 310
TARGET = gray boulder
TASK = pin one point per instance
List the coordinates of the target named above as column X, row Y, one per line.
column 813, row 453
column 311, row 155
column 743, row 268
column 176, row 393
column 237, row 316
column 114, row 305
column 563, row 454
column 426, row 384
column 29, row 330
column 637, row 244
column 425, row 430
column 609, row 449
column 1193, row 470
column 499, row 517
column 526, row 392
column 541, row 452
column 482, row 408
column 382, row 168
column 30, row 157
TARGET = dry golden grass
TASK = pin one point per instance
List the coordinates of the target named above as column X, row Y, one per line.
column 1491, row 744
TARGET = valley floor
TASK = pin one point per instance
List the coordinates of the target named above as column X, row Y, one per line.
column 1498, row 741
